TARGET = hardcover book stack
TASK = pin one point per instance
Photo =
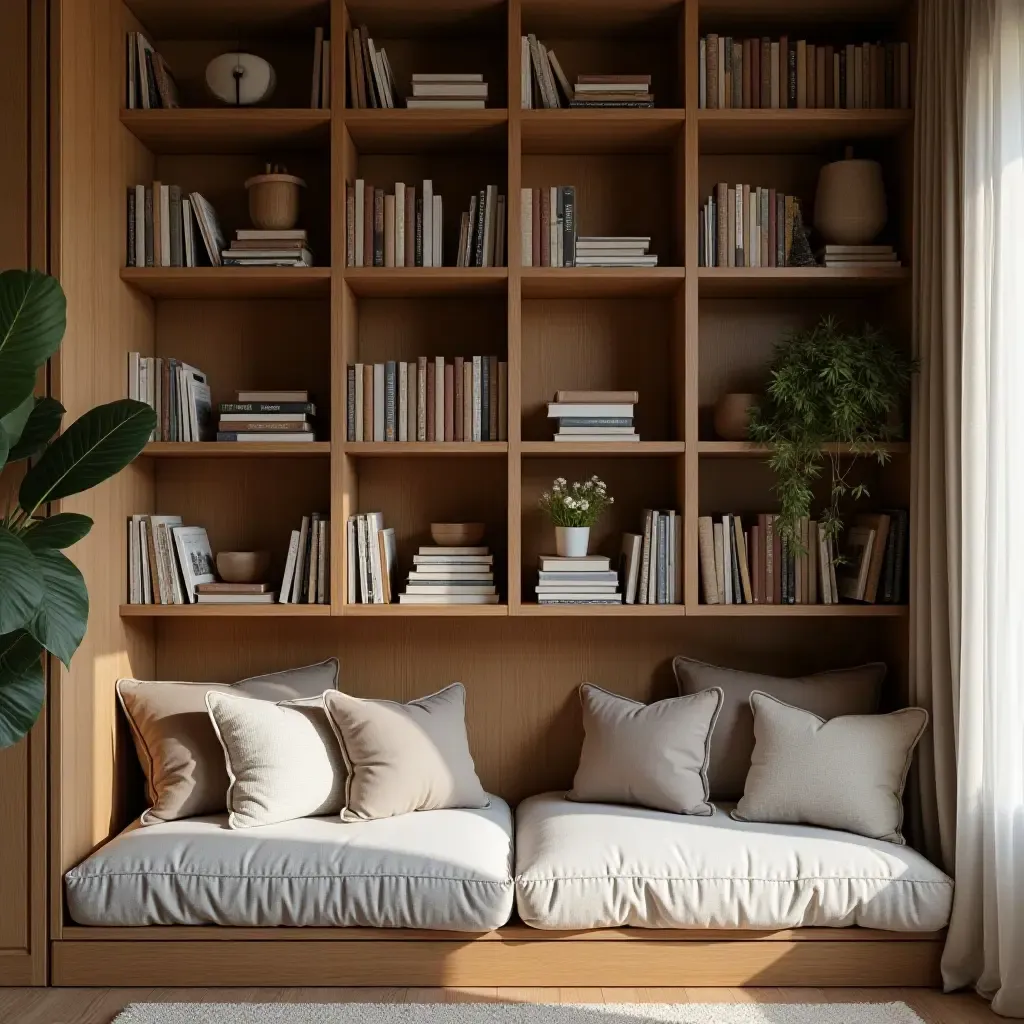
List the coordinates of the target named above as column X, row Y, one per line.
column 787, row 73
column 589, row 579
column 543, row 82
column 614, row 251
column 482, row 231
column 267, row 417
column 651, row 564
column 451, row 575
column 171, row 228
column 399, row 229
column 759, row 565
column 858, row 256
column 178, row 393
column 447, row 92
column 371, row 82
column 150, row 84
column 254, row 247
column 465, row 399
column 371, row 559
column 307, row 567
column 612, row 91
column 746, row 226
column 594, row 415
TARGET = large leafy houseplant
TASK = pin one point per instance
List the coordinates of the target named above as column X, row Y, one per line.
column 44, row 604
column 833, row 396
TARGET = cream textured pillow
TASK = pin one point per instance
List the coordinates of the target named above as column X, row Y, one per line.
column 847, row 773
column 177, row 747
column 405, row 757
column 649, row 755
column 283, row 760
column 847, row 691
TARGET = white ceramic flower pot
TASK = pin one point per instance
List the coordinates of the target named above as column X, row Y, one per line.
column 572, row 541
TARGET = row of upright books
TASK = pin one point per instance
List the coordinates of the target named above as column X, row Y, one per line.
column 430, row 399
column 759, row 564
column 149, row 84
column 267, row 417
column 167, row 227
column 371, row 82
column 544, row 84
column 792, row 73
column 746, row 226
column 178, row 393
column 307, row 566
column 651, row 564
column 594, row 415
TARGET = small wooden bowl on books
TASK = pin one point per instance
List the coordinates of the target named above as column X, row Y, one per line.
column 456, row 535
column 243, row 566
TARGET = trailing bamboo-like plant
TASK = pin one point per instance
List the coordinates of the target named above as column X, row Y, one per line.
column 829, row 386
column 44, row 604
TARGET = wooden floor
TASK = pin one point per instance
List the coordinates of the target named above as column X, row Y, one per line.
column 100, row 1006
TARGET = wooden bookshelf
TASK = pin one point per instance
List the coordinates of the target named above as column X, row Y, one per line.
column 227, row 130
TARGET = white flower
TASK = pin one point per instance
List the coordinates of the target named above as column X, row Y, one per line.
column 546, row 496
column 584, row 504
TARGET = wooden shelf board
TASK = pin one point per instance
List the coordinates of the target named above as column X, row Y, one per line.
column 425, row 449
column 401, row 18
column 601, row 130
column 600, row 282
column 445, row 611
column 849, row 611
column 625, row 611
column 426, row 282
column 230, row 282
column 221, row 19
column 748, row 450
column 556, row 449
column 427, row 131
column 767, row 282
column 228, row 129
column 187, row 611
column 234, row 449
column 785, row 131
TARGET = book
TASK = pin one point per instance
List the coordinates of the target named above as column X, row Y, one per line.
column 233, row 588
column 268, row 598
column 852, row 575
column 194, row 557
column 448, row 599
column 706, row 548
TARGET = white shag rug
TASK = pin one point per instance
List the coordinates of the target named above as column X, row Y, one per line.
column 518, row 1013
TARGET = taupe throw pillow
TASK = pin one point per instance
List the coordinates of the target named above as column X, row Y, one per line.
column 847, row 773
column 177, row 747
column 847, row 691
column 405, row 757
column 283, row 760
column 648, row 755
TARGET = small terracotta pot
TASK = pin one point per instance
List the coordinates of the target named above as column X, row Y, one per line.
column 732, row 416
column 457, row 535
column 274, row 201
column 243, row 566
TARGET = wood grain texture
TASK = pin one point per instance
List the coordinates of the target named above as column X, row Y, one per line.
column 228, row 282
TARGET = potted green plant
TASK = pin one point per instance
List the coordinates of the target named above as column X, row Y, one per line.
column 44, row 604
column 574, row 509
column 833, row 396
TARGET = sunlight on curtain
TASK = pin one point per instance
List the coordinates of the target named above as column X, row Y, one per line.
column 986, row 941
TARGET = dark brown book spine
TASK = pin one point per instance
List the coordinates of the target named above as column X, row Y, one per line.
column 766, row 72
column 367, row 401
column 459, row 398
column 820, row 79
column 378, row 227
column 783, row 71
column 449, row 402
column 711, row 63
column 350, row 226
column 772, row 228
column 410, row 226
column 755, row 73
column 747, row 65
column 431, row 384
column 367, row 225
column 779, row 569
column 830, row 78
column 492, row 388
column 545, row 227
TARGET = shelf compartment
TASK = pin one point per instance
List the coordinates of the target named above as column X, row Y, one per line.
column 767, row 282
column 214, row 611
column 785, row 131
column 228, row 129
column 430, row 611
column 600, row 282
column 556, row 449
column 749, row 450
column 716, row 14
column 427, row 131
column 234, row 449
column 850, row 611
column 425, row 449
column 623, row 611
column 601, row 130
column 425, row 282
column 220, row 19
column 230, row 282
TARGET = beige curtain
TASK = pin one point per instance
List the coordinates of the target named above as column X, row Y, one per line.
column 935, row 423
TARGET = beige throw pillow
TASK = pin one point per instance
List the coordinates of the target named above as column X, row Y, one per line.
column 848, row 691
column 177, row 747
column 648, row 755
column 283, row 760
column 847, row 773
column 405, row 757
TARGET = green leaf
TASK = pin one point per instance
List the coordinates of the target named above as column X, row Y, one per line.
column 21, row 700
column 18, row 652
column 59, row 531
column 43, row 423
column 21, row 588
column 93, row 448
column 14, row 422
column 33, row 314
column 5, row 447
column 60, row 622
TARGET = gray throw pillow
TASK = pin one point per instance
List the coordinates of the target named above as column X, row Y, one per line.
column 847, row 691
column 647, row 755
column 847, row 773
column 179, row 752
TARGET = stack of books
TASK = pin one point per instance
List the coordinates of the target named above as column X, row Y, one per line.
column 758, row 565
column 307, row 567
column 465, row 399
column 543, row 83
column 787, row 73
column 399, row 229
column 451, row 575
column 267, row 417
column 614, row 251
column 447, row 92
column 746, row 226
column 594, row 415
column 235, row 593
column 150, row 84
column 371, row 82
column 482, row 231
column 170, row 228
column 253, row 247
column 651, row 564
column 371, row 559
column 178, row 393
column 612, row 91
column 858, row 256
column 589, row 579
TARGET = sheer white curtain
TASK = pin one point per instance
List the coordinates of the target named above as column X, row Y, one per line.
column 986, row 938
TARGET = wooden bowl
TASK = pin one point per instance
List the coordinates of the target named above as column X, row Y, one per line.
column 243, row 566
column 457, row 535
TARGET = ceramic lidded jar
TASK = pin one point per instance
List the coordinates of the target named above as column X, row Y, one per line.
column 274, row 201
column 850, row 206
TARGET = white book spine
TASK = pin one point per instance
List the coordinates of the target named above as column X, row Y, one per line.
column 652, row 576
column 428, row 223
column 438, row 410
column 378, row 401
column 526, row 93
column 284, row 597
column 147, row 574
column 403, row 400
column 359, row 403
column 399, row 224
column 165, row 225
column 437, row 227
column 358, row 218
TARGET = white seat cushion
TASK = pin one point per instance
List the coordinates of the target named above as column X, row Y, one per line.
column 601, row 866
column 443, row 869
